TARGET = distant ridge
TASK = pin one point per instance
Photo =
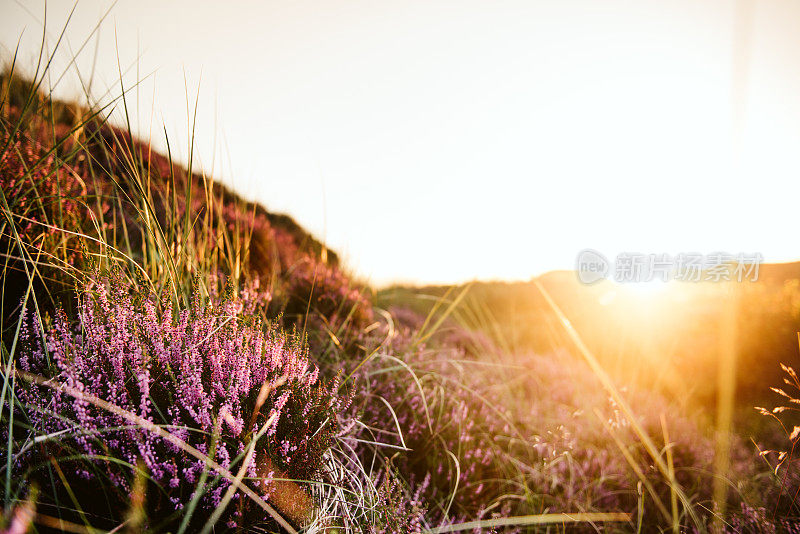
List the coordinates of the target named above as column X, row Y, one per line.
column 779, row 273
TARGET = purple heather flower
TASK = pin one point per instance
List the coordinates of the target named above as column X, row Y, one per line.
column 197, row 371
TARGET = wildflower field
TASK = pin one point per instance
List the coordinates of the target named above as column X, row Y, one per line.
column 177, row 359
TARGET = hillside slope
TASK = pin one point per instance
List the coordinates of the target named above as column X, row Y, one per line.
column 177, row 359
column 76, row 162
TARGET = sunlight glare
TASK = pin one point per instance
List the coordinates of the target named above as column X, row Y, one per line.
column 647, row 288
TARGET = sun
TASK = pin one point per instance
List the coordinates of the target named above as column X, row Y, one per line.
column 645, row 288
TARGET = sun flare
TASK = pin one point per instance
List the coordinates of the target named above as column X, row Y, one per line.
column 646, row 288
column 399, row 266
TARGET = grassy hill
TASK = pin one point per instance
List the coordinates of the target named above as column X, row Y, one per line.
column 655, row 338
column 177, row 359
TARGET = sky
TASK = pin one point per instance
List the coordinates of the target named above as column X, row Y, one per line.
column 437, row 141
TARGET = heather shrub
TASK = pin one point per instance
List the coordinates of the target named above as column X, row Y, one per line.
column 325, row 296
column 398, row 512
column 68, row 169
column 425, row 413
column 213, row 374
column 40, row 197
column 309, row 284
column 41, row 194
column 81, row 189
column 529, row 434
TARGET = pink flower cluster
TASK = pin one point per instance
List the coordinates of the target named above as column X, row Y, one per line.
column 41, row 193
column 526, row 422
column 202, row 372
column 326, row 292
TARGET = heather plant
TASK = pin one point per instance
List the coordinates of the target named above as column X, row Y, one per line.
column 40, row 197
column 40, row 191
column 213, row 375
column 399, row 513
column 323, row 299
column 68, row 173
column 526, row 434
column 428, row 428
column 164, row 344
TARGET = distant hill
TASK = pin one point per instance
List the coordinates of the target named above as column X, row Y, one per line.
column 779, row 272
column 664, row 335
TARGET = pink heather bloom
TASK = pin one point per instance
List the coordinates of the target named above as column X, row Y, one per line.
column 198, row 371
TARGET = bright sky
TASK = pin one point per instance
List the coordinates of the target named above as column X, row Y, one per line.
column 435, row 141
